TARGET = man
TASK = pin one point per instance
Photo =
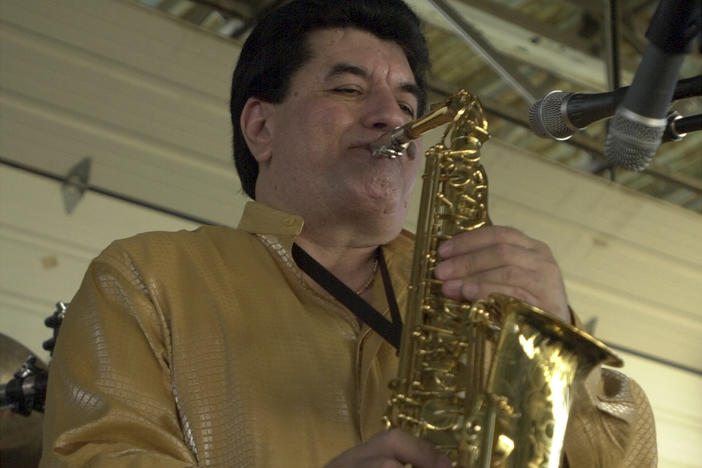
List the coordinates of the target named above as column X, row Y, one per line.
column 219, row 347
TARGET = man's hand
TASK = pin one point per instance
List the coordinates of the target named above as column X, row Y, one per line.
column 390, row 449
column 499, row 259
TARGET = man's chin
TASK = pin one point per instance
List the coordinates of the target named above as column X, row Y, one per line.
column 390, row 215
column 384, row 204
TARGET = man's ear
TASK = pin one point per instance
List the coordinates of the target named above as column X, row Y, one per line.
column 256, row 126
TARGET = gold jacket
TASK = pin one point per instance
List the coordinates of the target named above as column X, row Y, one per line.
column 208, row 348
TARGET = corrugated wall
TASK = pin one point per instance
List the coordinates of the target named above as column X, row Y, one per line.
column 145, row 97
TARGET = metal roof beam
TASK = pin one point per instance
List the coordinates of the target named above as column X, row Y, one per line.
column 505, row 68
column 528, row 41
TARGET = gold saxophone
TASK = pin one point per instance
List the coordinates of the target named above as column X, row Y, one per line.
column 490, row 383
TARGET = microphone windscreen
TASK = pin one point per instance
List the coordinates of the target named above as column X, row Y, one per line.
column 631, row 144
column 546, row 116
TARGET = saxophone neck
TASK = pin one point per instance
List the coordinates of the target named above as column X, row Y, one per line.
column 443, row 113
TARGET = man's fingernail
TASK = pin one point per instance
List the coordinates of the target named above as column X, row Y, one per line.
column 443, row 270
column 445, row 248
column 452, row 287
column 469, row 290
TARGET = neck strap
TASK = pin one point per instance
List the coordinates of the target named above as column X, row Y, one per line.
column 390, row 331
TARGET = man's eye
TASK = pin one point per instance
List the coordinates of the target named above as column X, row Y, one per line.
column 407, row 109
column 348, row 91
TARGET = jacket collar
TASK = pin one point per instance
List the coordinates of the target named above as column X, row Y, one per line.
column 262, row 219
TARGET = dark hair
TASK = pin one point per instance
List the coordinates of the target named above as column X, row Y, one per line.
column 277, row 47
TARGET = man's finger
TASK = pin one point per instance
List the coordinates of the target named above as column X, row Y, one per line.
column 489, row 258
column 389, row 449
column 408, row 449
column 462, row 290
column 483, row 237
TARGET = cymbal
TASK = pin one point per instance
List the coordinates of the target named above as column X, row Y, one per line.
column 20, row 444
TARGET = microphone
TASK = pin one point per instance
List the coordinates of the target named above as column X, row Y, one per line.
column 636, row 130
column 559, row 114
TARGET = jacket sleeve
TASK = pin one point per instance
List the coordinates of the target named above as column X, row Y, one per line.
column 611, row 423
column 110, row 401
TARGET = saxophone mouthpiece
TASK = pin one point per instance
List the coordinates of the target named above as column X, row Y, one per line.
column 400, row 140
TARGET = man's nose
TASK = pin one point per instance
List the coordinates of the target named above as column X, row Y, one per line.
column 384, row 112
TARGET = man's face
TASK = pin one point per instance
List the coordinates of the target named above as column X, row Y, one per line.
column 345, row 99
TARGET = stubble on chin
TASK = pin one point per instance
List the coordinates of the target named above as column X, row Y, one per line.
column 383, row 195
column 384, row 191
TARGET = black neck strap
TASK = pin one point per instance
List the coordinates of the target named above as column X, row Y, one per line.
column 391, row 331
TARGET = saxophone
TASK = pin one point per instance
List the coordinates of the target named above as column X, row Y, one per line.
column 489, row 383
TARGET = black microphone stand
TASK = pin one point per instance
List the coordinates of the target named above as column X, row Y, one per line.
column 678, row 126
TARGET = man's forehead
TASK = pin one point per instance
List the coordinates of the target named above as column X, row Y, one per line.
column 351, row 45
column 350, row 51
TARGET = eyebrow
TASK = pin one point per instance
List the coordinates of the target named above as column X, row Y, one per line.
column 344, row 68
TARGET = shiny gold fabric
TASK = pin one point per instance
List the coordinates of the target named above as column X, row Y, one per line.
column 208, row 348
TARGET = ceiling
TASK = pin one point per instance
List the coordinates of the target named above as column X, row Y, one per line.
column 540, row 45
